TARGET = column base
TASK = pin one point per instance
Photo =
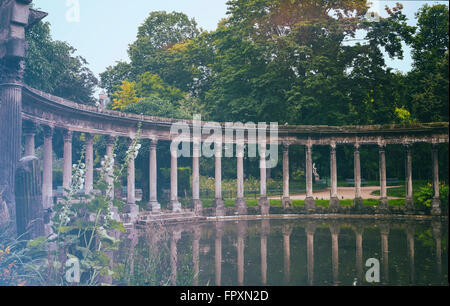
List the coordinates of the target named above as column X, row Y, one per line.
column 241, row 206
column 310, row 203
column 384, row 204
column 220, row 207
column 436, row 207
column 359, row 203
column 286, row 202
column 132, row 210
column 409, row 205
column 264, row 205
column 154, row 207
column 334, row 203
column 175, row 205
column 198, row 207
column 115, row 214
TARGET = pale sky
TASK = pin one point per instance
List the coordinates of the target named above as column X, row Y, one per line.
column 106, row 27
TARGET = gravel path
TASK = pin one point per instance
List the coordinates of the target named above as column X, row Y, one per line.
column 346, row 193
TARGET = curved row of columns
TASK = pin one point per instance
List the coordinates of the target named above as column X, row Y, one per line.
column 241, row 206
column 310, row 230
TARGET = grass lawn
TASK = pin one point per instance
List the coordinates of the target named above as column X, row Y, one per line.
column 400, row 192
column 299, row 203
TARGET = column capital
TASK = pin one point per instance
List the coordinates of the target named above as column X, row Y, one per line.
column 285, row 146
column 153, row 143
column 335, row 228
column 67, row 135
column 384, row 229
column 110, row 140
column 382, row 146
column 89, row 138
column 287, row 229
column 29, row 127
column 48, row 131
column 357, row 147
column 310, row 228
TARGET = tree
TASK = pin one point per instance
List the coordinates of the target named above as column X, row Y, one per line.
column 429, row 77
column 53, row 68
column 125, row 95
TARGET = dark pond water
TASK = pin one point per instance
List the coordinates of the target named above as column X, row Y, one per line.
column 293, row 252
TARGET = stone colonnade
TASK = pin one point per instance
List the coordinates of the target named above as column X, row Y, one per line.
column 241, row 206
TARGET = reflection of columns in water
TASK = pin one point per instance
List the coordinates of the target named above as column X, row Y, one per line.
column 196, row 253
column 218, row 252
column 437, row 238
column 310, row 230
column 265, row 230
column 359, row 229
column 384, row 231
column 335, row 229
column 241, row 231
column 287, row 231
column 410, row 232
column 176, row 235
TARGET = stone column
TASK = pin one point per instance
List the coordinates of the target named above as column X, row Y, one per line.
column 176, row 235
column 335, row 229
column 241, row 204
column 357, row 177
column 219, row 202
column 110, row 141
column 264, row 232
column 28, row 192
column 153, row 205
column 174, row 203
column 263, row 201
column 436, row 203
column 241, row 232
column 196, row 253
column 198, row 206
column 47, row 178
column 89, row 180
column 384, row 204
column 384, row 231
column 29, row 129
column 287, row 231
column 310, row 203
column 409, row 201
column 286, row 202
column 218, row 252
column 359, row 229
column 334, row 200
column 310, row 230
column 131, row 208
column 67, row 168
column 410, row 233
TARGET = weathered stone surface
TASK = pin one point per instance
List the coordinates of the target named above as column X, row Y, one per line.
column 28, row 192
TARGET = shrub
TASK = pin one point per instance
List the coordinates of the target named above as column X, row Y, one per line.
column 425, row 196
